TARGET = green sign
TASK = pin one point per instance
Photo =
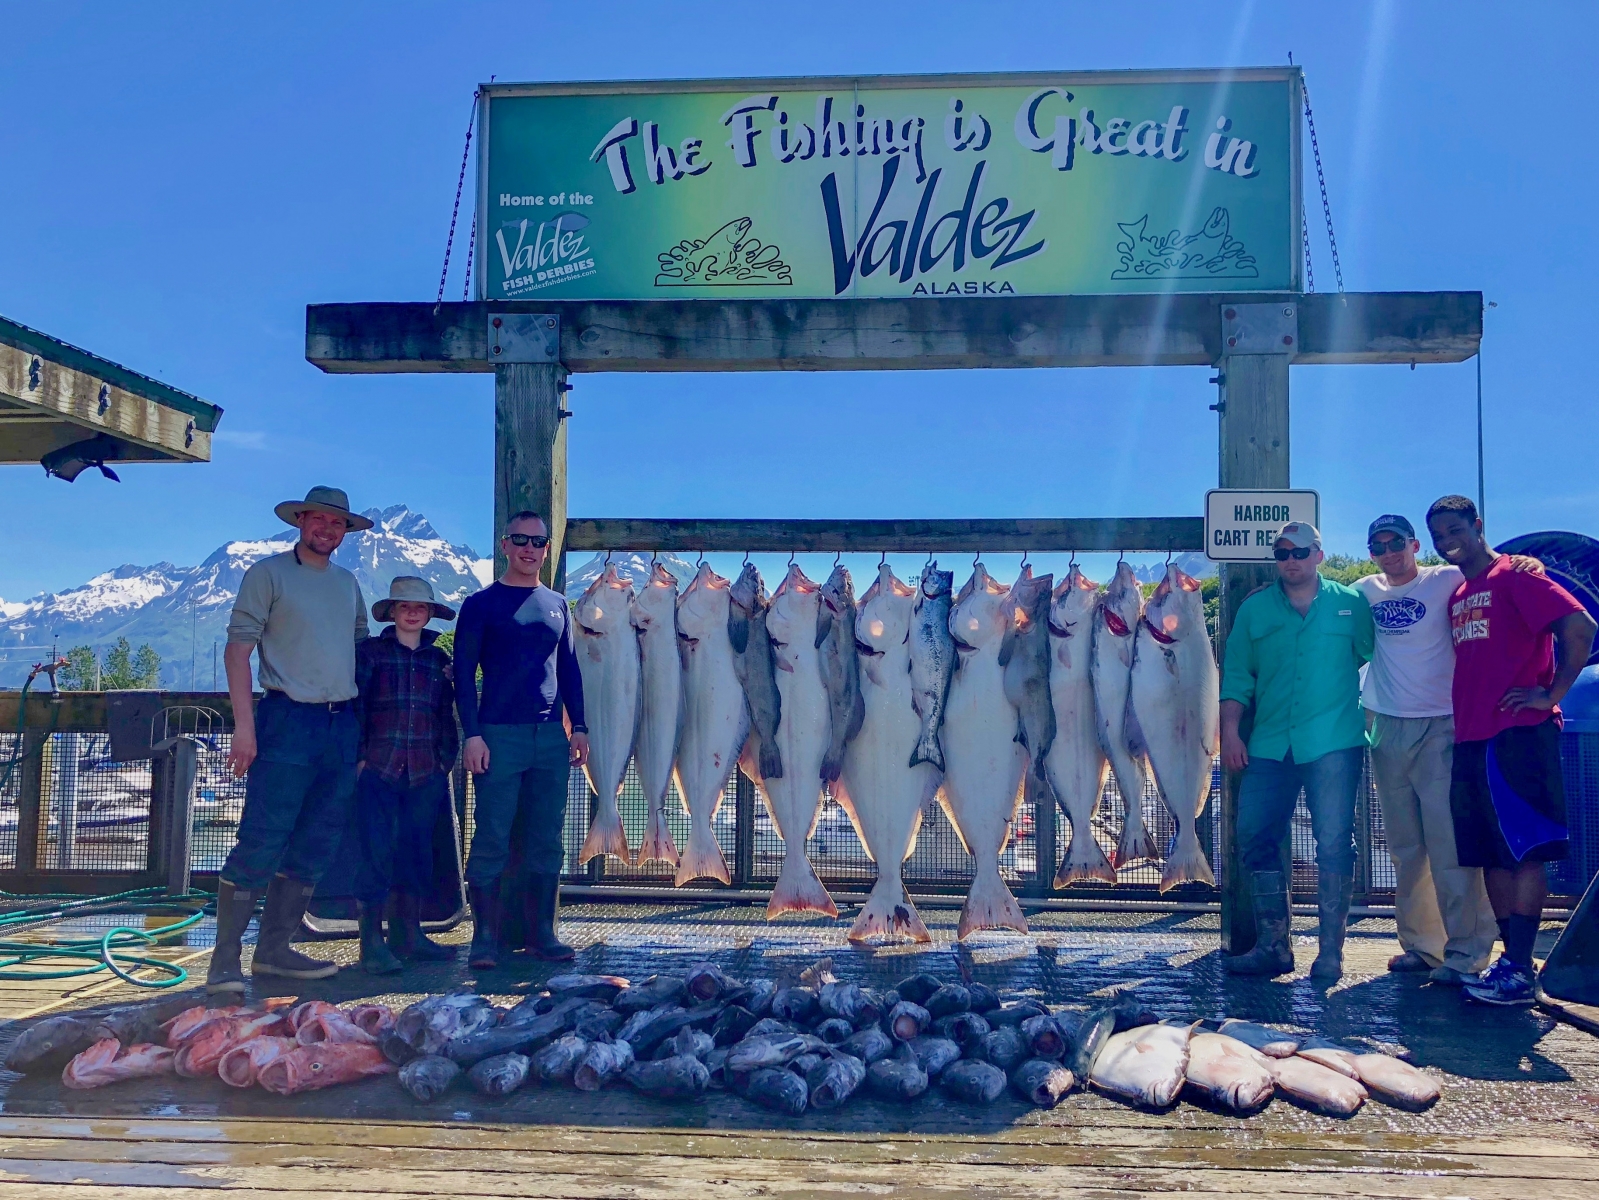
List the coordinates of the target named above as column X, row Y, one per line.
column 971, row 185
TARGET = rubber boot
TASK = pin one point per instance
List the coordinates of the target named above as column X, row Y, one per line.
column 1273, row 953
column 1333, row 894
column 376, row 957
column 484, row 954
column 286, row 900
column 541, row 905
column 234, row 910
column 405, row 928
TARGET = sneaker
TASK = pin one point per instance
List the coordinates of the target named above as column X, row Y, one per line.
column 1504, row 985
column 1450, row 977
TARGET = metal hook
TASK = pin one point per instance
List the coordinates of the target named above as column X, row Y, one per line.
column 1168, row 558
column 931, row 561
column 1024, row 558
column 1121, row 557
column 1073, row 561
column 976, row 558
column 701, row 561
column 882, row 558
column 746, row 558
column 837, row 554
column 791, row 555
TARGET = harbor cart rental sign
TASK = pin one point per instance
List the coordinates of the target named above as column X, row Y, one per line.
column 973, row 185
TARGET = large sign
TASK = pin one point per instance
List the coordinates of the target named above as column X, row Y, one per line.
column 1242, row 526
column 956, row 185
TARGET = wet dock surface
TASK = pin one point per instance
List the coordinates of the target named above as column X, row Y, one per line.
column 1520, row 1106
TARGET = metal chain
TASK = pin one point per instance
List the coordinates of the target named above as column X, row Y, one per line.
column 471, row 251
column 1304, row 237
column 1321, row 178
column 460, row 185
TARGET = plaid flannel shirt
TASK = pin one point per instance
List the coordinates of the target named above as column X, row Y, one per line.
column 406, row 708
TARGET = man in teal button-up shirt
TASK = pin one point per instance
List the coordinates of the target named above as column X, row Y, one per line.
column 1295, row 654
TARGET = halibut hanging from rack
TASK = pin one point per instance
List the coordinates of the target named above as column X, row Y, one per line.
column 1076, row 761
column 1115, row 621
column 608, row 657
column 654, row 615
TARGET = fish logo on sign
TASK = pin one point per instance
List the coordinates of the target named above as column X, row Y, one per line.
column 1398, row 614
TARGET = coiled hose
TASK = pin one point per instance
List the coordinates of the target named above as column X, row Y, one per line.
column 41, row 958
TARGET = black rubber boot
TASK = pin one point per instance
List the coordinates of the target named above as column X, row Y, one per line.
column 234, row 910
column 286, row 900
column 485, row 900
column 405, row 927
column 376, row 957
column 1333, row 895
column 542, row 905
column 1273, row 953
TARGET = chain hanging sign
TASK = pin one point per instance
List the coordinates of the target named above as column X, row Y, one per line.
column 953, row 185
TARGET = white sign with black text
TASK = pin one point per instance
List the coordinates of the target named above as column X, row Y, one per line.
column 1242, row 525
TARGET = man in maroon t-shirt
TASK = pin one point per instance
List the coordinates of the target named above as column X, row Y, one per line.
column 1507, row 796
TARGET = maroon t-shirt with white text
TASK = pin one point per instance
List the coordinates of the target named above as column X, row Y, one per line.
column 1500, row 624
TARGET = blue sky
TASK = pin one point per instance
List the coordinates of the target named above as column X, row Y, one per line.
column 186, row 177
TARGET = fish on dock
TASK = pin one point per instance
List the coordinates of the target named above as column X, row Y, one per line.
column 427, row 1077
column 500, row 1075
column 1229, row 1073
column 1273, row 1043
column 241, row 1066
column 677, row 1077
column 108, row 1061
column 1390, row 1079
column 323, row 1065
column 1317, row 1087
column 601, row 1063
column 1146, row 1065
column 654, row 615
column 1043, row 1082
column 973, row 1081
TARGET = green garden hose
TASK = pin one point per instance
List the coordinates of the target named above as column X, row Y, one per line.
column 72, row 958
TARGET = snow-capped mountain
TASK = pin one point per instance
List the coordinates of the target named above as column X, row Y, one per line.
column 630, row 565
column 183, row 611
column 1190, row 563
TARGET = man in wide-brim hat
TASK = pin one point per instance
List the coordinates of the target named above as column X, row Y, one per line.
column 302, row 615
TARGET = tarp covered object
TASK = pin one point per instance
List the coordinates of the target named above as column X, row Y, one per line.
column 1571, row 971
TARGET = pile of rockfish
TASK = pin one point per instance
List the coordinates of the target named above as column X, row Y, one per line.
column 284, row 1046
column 884, row 703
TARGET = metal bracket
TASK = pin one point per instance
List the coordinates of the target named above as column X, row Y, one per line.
column 524, row 338
column 1259, row 329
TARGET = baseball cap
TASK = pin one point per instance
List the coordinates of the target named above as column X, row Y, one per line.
column 1302, row 534
column 1391, row 523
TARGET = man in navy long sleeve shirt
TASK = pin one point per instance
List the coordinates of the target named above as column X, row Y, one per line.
column 519, row 633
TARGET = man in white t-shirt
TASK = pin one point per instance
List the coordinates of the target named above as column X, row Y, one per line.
column 1446, row 924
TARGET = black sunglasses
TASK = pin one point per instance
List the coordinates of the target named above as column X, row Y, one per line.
column 1390, row 546
column 528, row 539
column 1300, row 552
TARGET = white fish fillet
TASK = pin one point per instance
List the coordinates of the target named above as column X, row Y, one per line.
column 654, row 615
column 1115, row 621
column 608, row 657
column 884, row 797
column 1177, row 699
column 803, row 733
column 715, row 721
column 1146, row 1065
column 983, row 762
column 1228, row 1072
column 1313, row 1084
column 1076, row 762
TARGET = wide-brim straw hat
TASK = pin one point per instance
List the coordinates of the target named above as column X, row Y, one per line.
column 322, row 499
column 412, row 588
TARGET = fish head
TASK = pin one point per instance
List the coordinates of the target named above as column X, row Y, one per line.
column 978, row 617
column 604, row 607
column 702, row 608
column 793, row 613
column 883, row 617
column 935, row 583
column 1177, row 608
column 1071, row 604
column 656, row 603
column 1028, row 600
column 839, row 590
column 1123, row 602
column 749, row 590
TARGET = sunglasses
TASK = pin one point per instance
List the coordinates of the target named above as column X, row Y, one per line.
column 1389, row 546
column 537, row 540
column 1300, row 552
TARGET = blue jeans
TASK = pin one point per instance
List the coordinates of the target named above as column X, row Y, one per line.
column 525, row 783
column 394, row 827
column 1266, row 798
column 298, row 794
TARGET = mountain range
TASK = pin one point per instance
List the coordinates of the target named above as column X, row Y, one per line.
column 182, row 612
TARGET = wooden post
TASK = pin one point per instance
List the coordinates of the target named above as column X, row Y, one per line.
column 530, row 453
column 31, row 817
column 1254, row 454
column 743, row 829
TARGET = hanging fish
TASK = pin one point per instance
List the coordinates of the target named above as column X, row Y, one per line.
column 654, row 615
column 607, row 649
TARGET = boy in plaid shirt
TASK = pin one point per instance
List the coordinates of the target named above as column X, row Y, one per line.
column 406, row 710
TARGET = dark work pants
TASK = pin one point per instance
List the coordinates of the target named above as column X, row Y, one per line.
column 528, row 770
column 298, row 794
column 394, row 825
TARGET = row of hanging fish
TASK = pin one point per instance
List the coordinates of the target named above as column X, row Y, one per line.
column 885, row 703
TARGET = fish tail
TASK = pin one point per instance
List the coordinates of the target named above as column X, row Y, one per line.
column 928, row 749
column 606, row 836
column 990, row 905
column 1084, row 859
column 1135, row 845
column 1187, row 862
column 832, row 764
column 702, row 857
column 657, row 845
column 798, row 889
column 888, row 914
column 771, row 760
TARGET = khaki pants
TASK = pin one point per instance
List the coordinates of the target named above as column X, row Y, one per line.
column 1442, row 908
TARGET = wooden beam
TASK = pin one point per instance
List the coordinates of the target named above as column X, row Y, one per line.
column 78, row 405
column 1038, row 534
column 530, row 455
column 915, row 333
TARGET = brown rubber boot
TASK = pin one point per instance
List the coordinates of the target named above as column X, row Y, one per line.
column 234, row 910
